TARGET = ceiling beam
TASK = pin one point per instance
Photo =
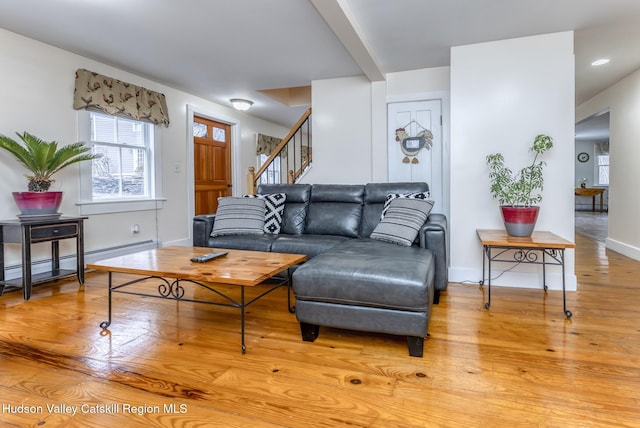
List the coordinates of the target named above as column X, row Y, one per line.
column 339, row 17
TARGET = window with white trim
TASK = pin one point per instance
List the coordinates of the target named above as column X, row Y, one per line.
column 123, row 178
column 602, row 163
column 272, row 175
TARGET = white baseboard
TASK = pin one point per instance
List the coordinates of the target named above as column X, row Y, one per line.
column 187, row 242
column 120, row 250
column 622, row 248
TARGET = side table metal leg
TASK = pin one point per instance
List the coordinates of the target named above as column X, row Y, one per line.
column 244, row 348
column 567, row 312
column 26, row 262
column 55, row 257
column 544, row 270
column 80, row 253
column 484, row 250
column 488, row 304
column 105, row 324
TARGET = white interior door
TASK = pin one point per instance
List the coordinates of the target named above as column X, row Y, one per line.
column 408, row 124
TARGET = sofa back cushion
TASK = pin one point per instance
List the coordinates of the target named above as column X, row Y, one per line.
column 335, row 209
column 375, row 195
column 295, row 210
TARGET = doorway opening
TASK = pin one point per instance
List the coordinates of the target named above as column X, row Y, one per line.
column 592, row 177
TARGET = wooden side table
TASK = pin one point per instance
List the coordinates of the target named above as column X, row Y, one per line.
column 33, row 231
column 497, row 245
column 593, row 192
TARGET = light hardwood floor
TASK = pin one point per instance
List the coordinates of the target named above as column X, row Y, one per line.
column 519, row 364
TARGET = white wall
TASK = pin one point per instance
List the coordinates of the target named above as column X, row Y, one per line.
column 585, row 169
column 503, row 94
column 623, row 99
column 350, row 122
column 341, row 123
column 36, row 95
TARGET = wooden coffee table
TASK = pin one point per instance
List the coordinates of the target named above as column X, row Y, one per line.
column 173, row 268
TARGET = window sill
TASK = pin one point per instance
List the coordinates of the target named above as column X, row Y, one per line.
column 120, row 206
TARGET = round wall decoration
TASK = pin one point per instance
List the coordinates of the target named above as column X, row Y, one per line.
column 583, row 157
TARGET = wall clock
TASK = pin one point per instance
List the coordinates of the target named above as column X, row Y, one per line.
column 583, row 157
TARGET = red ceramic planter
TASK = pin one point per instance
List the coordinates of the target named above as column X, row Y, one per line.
column 38, row 203
column 519, row 221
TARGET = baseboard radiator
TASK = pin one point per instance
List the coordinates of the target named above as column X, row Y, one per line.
column 69, row 261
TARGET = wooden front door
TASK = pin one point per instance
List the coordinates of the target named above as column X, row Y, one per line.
column 211, row 163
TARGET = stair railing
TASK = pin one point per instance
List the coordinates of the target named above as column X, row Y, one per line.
column 288, row 161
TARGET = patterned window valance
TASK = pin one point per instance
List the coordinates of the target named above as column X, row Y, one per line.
column 266, row 144
column 97, row 92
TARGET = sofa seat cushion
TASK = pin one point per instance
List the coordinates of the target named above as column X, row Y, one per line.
column 310, row 245
column 243, row 242
column 373, row 247
column 369, row 273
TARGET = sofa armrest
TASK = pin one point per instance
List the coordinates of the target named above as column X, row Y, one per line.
column 433, row 236
column 202, row 227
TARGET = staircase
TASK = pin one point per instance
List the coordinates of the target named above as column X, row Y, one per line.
column 289, row 160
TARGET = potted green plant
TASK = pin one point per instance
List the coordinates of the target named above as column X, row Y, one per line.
column 518, row 193
column 43, row 159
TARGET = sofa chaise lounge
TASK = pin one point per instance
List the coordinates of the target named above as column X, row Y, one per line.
column 354, row 278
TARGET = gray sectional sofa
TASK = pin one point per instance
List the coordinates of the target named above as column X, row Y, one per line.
column 351, row 280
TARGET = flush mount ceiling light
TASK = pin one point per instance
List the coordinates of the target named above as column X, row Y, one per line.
column 601, row 61
column 240, row 104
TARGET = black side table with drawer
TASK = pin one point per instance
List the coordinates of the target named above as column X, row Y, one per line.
column 41, row 230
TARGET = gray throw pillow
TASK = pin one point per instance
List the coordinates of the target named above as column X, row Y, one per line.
column 239, row 216
column 392, row 196
column 402, row 221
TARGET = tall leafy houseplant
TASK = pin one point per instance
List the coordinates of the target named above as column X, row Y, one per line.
column 518, row 193
column 42, row 159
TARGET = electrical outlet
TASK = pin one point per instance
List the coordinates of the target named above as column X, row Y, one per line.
column 135, row 229
column 177, row 167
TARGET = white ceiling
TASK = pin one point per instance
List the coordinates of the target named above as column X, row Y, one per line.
column 222, row 49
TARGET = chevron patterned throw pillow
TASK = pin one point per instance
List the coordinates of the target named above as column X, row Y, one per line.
column 274, row 204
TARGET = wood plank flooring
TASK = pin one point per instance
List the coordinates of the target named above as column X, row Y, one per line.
column 168, row 364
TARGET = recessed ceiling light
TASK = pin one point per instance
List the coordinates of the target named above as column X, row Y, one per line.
column 601, row 61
